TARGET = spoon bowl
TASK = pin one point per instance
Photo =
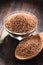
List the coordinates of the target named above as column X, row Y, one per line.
column 29, row 47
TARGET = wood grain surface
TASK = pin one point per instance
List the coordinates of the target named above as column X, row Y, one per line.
column 9, row 44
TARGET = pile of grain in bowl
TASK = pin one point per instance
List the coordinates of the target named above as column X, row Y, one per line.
column 21, row 22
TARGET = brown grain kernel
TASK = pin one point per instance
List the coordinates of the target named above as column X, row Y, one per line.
column 29, row 47
column 21, row 22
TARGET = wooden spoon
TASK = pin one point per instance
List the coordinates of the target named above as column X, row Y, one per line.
column 41, row 36
column 29, row 47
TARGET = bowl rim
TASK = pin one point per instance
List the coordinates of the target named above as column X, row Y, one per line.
column 24, row 33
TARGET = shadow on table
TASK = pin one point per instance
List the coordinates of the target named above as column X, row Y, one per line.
column 7, row 54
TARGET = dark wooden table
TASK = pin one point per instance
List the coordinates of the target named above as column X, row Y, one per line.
column 9, row 44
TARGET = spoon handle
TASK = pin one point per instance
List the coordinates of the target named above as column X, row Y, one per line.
column 41, row 36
